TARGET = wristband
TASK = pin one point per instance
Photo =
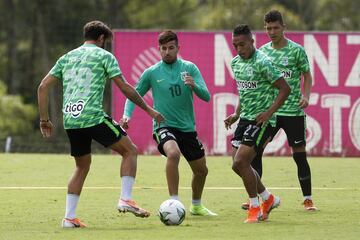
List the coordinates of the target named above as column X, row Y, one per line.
column 43, row 120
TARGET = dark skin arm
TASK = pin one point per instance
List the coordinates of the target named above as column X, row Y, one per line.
column 229, row 120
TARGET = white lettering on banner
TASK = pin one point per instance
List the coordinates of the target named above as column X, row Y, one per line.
column 223, row 57
column 335, row 102
column 353, row 79
column 313, row 135
column 277, row 143
column 221, row 101
column 314, row 132
column 313, row 127
column 329, row 67
column 327, row 61
column 354, row 124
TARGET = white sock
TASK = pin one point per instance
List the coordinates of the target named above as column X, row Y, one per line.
column 71, row 205
column 196, row 202
column 265, row 195
column 127, row 183
column 254, row 202
column 175, row 197
column 307, row 197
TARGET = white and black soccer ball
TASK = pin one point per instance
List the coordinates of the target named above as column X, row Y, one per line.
column 172, row 212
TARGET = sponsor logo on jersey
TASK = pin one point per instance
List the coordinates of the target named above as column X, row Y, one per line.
column 242, row 85
column 249, row 71
column 74, row 109
column 183, row 75
column 286, row 73
column 285, row 61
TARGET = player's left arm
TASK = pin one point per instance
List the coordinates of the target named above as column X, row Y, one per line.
column 196, row 82
column 304, row 67
column 304, row 101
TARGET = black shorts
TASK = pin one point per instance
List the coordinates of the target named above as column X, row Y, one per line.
column 106, row 133
column 188, row 142
column 294, row 127
column 249, row 134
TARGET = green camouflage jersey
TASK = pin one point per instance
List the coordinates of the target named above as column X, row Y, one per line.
column 83, row 72
column 172, row 98
column 254, row 78
column 292, row 61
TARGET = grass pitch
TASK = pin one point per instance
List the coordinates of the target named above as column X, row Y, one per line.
column 33, row 188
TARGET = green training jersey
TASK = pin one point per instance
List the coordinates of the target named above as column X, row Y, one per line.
column 172, row 98
column 254, row 78
column 292, row 61
column 83, row 72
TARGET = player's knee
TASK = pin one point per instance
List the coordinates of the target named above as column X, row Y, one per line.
column 236, row 166
column 83, row 163
column 239, row 165
column 173, row 155
column 298, row 149
column 202, row 172
column 132, row 151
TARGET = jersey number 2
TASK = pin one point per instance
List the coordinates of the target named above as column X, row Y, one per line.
column 81, row 82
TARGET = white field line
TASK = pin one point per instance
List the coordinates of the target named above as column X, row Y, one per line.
column 165, row 188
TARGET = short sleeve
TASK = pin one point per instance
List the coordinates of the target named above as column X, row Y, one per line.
column 303, row 61
column 56, row 70
column 111, row 65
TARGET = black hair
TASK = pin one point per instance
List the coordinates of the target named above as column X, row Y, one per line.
column 167, row 36
column 273, row 16
column 242, row 29
column 93, row 30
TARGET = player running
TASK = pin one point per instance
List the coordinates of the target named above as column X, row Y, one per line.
column 291, row 59
column 256, row 79
column 83, row 72
column 173, row 82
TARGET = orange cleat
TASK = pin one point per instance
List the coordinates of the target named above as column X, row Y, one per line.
column 72, row 223
column 254, row 215
column 131, row 206
column 268, row 205
column 309, row 205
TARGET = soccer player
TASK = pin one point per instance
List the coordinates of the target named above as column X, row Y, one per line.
column 256, row 79
column 83, row 72
column 173, row 82
column 290, row 58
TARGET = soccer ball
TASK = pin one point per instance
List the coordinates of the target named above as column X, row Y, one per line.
column 172, row 212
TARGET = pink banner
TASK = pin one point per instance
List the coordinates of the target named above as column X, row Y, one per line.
column 333, row 116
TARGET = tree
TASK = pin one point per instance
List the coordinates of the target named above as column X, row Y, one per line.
column 16, row 117
column 225, row 15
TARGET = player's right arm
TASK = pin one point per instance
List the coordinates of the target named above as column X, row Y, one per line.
column 229, row 120
column 284, row 91
column 130, row 92
column 43, row 102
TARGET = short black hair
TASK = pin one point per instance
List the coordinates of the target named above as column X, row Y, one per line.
column 93, row 30
column 242, row 29
column 273, row 16
column 167, row 36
